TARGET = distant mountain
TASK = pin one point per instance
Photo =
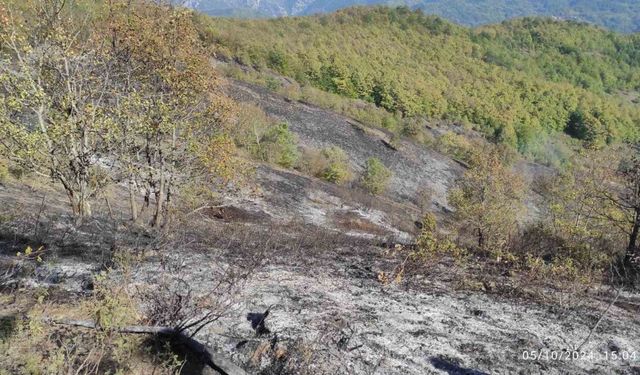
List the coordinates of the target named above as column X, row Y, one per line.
column 620, row 15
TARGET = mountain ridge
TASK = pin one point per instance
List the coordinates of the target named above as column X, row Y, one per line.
column 517, row 82
column 618, row 15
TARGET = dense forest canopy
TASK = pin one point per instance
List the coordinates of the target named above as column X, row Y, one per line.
column 515, row 81
column 621, row 15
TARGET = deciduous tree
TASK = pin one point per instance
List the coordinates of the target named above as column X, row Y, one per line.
column 54, row 82
column 129, row 91
column 488, row 200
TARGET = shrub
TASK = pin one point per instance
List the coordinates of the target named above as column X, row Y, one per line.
column 280, row 146
column 312, row 162
column 560, row 268
column 583, row 213
column 56, row 350
column 272, row 83
column 430, row 246
column 277, row 60
column 249, row 127
column 488, row 200
column 414, row 128
column 330, row 164
column 587, row 126
column 264, row 139
column 337, row 169
column 376, row 176
column 456, row 146
column 424, row 197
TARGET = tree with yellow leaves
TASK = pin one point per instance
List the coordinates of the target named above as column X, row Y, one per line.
column 54, row 82
column 488, row 200
column 594, row 207
column 124, row 95
column 172, row 110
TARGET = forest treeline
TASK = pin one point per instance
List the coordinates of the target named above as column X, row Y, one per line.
column 619, row 15
column 517, row 82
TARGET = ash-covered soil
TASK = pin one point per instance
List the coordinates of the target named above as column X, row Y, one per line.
column 414, row 167
column 320, row 250
column 329, row 312
column 289, row 196
column 334, row 306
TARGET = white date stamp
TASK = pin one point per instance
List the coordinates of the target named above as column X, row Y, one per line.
column 568, row 355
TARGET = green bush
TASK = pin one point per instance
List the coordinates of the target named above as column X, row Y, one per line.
column 455, row 145
column 337, row 165
column 249, row 128
column 277, row 60
column 413, row 127
column 588, row 127
column 280, row 146
column 430, row 246
column 375, row 177
column 272, row 83
column 264, row 139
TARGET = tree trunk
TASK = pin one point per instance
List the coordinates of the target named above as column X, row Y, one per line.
column 132, row 200
column 79, row 205
column 632, row 247
column 81, row 209
column 160, row 196
column 84, row 206
column 480, row 239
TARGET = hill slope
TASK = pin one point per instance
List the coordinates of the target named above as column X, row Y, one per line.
column 621, row 15
column 516, row 81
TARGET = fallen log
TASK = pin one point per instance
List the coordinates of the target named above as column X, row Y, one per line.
column 212, row 359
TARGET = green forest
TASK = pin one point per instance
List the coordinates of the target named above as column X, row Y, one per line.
column 516, row 82
column 621, row 15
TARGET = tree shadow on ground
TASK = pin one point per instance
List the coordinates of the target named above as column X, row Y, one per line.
column 452, row 368
column 8, row 325
column 160, row 349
